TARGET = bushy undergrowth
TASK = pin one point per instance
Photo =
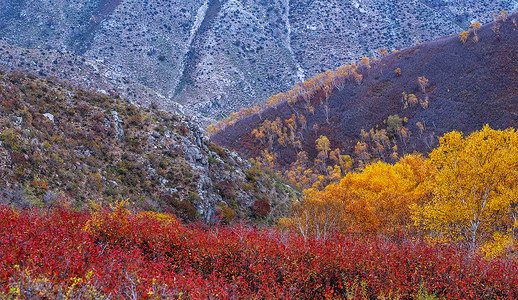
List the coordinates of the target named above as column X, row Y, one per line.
column 119, row 254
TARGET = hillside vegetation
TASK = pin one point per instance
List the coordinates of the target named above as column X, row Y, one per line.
column 394, row 177
column 373, row 181
column 58, row 143
column 465, row 192
column 382, row 109
column 114, row 253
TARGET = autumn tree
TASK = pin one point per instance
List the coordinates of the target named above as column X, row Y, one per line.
column 404, row 135
column 315, row 216
column 380, row 142
column 474, row 28
column 423, row 83
column 292, row 125
column 315, row 128
column 282, row 137
column 374, row 201
column 267, row 159
column 394, row 124
column 211, row 129
column 303, row 122
column 295, row 173
column 364, row 135
column 475, row 186
column 326, row 111
column 424, row 103
column 335, row 156
column 463, row 36
column 409, row 100
column 361, row 150
column 412, row 100
column 323, row 145
column 357, row 77
column 421, row 128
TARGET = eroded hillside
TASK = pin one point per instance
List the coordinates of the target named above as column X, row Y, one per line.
column 218, row 56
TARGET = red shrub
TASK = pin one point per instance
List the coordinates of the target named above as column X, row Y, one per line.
column 124, row 254
column 261, row 208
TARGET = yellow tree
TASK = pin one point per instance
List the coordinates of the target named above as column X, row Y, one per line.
column 464, row 36
column 475, row 27
column 412, row 100
column 292, row 125
column 423, row 83
column 424, row 103
column 317, row 215
column 335, row 155
column 323, row 145
column 475, row 186
column 377, row 200
column 361, row 150
column 211, row 129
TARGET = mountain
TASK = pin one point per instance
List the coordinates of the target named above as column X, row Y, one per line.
column 216, row 56
column 81, row 72
column 63, row 144
column 406, row 99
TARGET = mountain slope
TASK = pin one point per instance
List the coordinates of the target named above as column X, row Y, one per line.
column 468, row 85
column 216, row 56
column 59, row 143
column 79, row 71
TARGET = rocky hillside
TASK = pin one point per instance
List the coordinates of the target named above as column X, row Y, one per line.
column 216, row 56
column 396, row 105
column 81, row 72
column 59, row 143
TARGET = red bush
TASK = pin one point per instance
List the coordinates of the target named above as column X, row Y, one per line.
column 120, row 254
column 261, row 208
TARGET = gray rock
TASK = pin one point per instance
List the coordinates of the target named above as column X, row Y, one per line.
column 49, row 116
column 119, row 130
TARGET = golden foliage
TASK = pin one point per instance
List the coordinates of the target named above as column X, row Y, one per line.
column 500, row 246
column 323, row 145
column 376, row 200
column 412, row 100
column 473, row 28
column 463, row 36
column 423, row 83
column 466, row 191
column 475, row 186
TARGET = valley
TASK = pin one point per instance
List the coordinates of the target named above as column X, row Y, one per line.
column 353, row 149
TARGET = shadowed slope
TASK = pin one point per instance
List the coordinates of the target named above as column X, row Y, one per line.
column 469, row 84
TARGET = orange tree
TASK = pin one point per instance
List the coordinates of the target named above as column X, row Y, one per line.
column 376, row 200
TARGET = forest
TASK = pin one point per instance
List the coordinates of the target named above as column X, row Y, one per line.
column 464, row 192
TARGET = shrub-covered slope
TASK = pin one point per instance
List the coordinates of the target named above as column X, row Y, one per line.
column 79, row 71
column 216, row 56
column 59, row 143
